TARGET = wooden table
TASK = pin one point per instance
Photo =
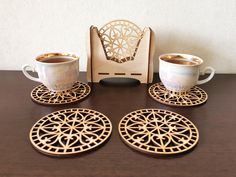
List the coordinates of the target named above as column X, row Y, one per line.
column 214, row 156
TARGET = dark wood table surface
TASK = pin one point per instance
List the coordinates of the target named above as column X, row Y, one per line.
column 214, row 156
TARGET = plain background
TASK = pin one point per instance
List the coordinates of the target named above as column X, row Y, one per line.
column 206, row 28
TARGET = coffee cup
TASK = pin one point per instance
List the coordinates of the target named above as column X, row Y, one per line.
column 180, row 72
column 57, row 71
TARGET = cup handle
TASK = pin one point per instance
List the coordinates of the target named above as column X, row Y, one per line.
column 208, row 68
column 27, row 74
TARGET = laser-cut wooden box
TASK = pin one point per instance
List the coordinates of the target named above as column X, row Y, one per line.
column 120, row 49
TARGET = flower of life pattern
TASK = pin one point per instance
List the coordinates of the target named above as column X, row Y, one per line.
column 42, row 95
column 70, row 131
column 157, row 131
column 194, row 97
column 120, row 40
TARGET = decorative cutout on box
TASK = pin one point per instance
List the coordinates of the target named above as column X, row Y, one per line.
column 120, row 39
column 195, row 96
column 42, row 95
column 157, row 131
column 70, row 131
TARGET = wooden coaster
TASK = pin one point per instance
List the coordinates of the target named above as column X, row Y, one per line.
column 157, row 131
column 42, row 95
column 195, row 96
column 70, row 131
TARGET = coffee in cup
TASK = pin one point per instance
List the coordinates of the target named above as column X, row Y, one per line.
column 57, row 71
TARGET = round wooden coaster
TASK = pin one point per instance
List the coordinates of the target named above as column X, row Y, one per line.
column 42, row 95
column 70, row 131
column 194, row 97
column 157, row 131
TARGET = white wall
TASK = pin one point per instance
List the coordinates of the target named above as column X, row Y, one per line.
column 205, row 28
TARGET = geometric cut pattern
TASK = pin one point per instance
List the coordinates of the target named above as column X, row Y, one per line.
column 195, row 96
column 120, row 39
column 157, row 131
column 42, row 95
column 70, row 131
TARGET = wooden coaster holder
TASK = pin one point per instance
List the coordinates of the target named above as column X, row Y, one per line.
column 108, row 59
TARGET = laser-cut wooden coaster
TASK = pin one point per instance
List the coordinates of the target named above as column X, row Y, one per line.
column 157, row 131
column 70, row 131
column 195, row 96
column 42, row 95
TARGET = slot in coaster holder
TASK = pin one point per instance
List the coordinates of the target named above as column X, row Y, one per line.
column 42, row 95
column 195, row 96
column 158, row 132
column 70, row 131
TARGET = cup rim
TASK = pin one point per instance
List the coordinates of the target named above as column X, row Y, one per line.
column 48, row 55
column 183, row 55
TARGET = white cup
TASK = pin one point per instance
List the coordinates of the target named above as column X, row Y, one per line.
column 180, row 72
column 57, row 71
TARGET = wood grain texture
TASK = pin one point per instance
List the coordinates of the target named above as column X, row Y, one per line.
column 213, row 156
